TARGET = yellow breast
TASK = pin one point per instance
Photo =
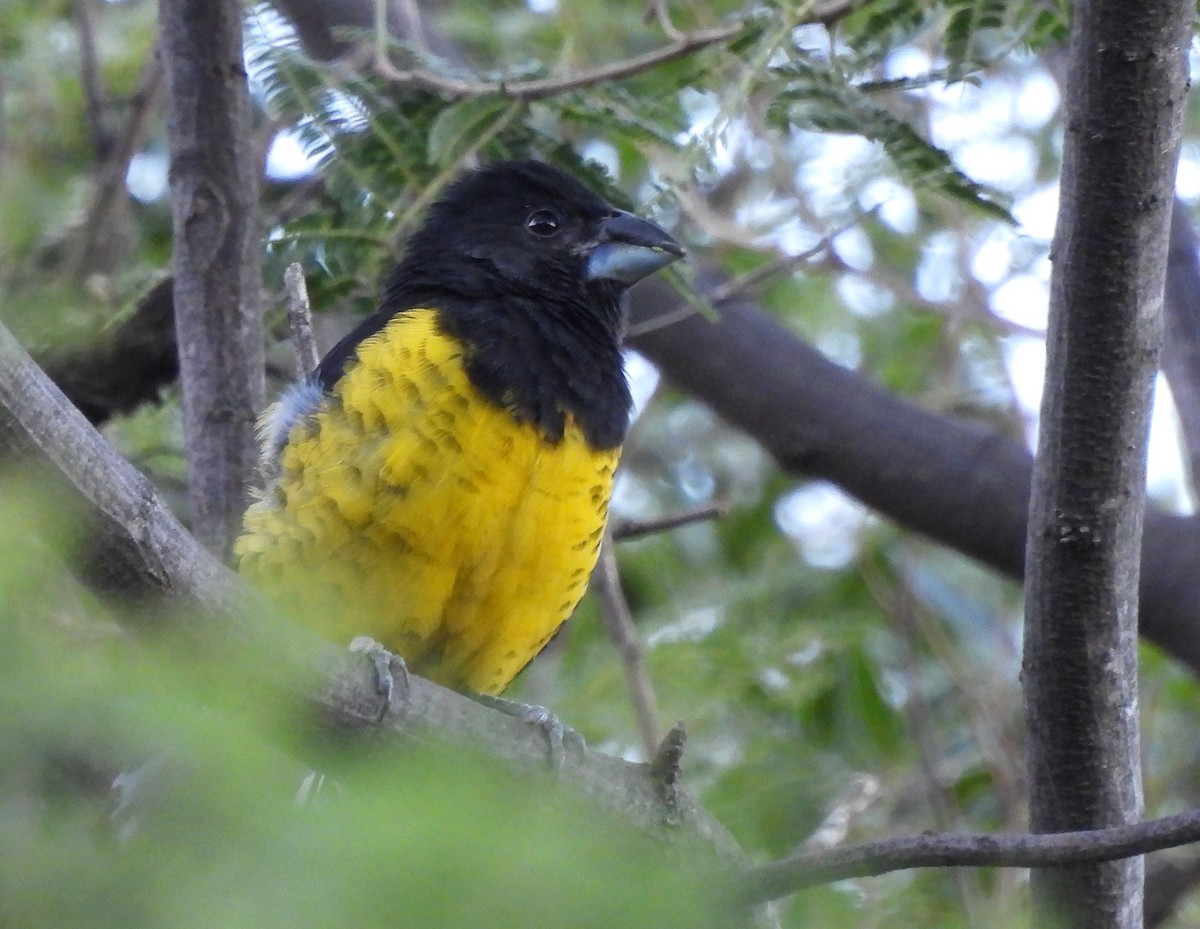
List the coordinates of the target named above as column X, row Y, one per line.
column 410, row 508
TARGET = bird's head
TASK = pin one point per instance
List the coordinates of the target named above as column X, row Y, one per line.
column 524, row 227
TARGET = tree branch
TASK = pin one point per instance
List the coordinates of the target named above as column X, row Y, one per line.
column 636, row 528
column 98, row 245
column 959, row 850
column 304, row 344
column 127, row 365
column 614, row 611
column 137, row 548
column 956, row 482
column 90, row 78
column 687, row 44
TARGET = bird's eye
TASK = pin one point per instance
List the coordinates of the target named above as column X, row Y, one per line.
column 543, row 223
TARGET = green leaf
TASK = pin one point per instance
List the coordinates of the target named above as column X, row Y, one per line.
column 456, row 127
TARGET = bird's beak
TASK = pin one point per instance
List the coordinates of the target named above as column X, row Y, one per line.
column 627, row 248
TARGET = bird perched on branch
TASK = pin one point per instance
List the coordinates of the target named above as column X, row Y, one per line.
column 441, row 481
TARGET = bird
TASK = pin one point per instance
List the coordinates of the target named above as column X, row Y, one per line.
column 440, row 482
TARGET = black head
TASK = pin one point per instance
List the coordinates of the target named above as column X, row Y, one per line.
column 526, row 228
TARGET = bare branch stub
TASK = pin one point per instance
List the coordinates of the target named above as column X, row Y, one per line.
column 666, row 767
column 304, row 344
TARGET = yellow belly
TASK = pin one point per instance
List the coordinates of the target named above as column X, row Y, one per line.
column 411, row 509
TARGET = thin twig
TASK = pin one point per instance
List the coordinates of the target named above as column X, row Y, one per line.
column 749, row 281
column 959, row 850
column 677, row 315
column 619, row 622
column 304, row 345
column 109, row 193
column 3, row 122
column 899, row 608
column 658, row 10
column 89, row 75
column 634, row 528
column 548, row 87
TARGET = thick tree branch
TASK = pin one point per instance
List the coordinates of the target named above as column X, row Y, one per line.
column 954, row 481
column 127, row 366
column 960, row 850
column 139, row 549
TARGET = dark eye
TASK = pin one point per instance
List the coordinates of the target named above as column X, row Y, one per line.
column 543, row 223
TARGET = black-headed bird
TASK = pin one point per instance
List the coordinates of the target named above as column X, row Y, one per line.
column 440, row 483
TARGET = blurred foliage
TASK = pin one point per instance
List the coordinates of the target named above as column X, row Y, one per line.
column 840, row 680
column 419, row 836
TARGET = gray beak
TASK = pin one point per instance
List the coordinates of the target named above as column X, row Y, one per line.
column 627, row 248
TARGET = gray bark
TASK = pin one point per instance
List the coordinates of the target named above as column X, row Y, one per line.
column 214, row 191
column 1126, row 84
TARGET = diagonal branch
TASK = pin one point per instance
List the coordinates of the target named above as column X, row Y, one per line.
column 98, row 244
column 952, row 480
column 90, row 77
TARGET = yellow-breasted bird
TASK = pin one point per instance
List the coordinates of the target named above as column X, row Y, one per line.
column 441, row 481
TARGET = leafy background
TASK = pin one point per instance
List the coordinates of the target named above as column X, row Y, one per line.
column 884, row 179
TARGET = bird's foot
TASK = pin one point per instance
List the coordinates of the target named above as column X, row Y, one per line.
column 388, row 666
column 560, row 738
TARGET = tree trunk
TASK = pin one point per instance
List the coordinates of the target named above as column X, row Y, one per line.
column 214, row 190
column 1127, row 78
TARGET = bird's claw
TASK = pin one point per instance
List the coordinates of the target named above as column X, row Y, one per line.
column 387, row 666
column 560, row 738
